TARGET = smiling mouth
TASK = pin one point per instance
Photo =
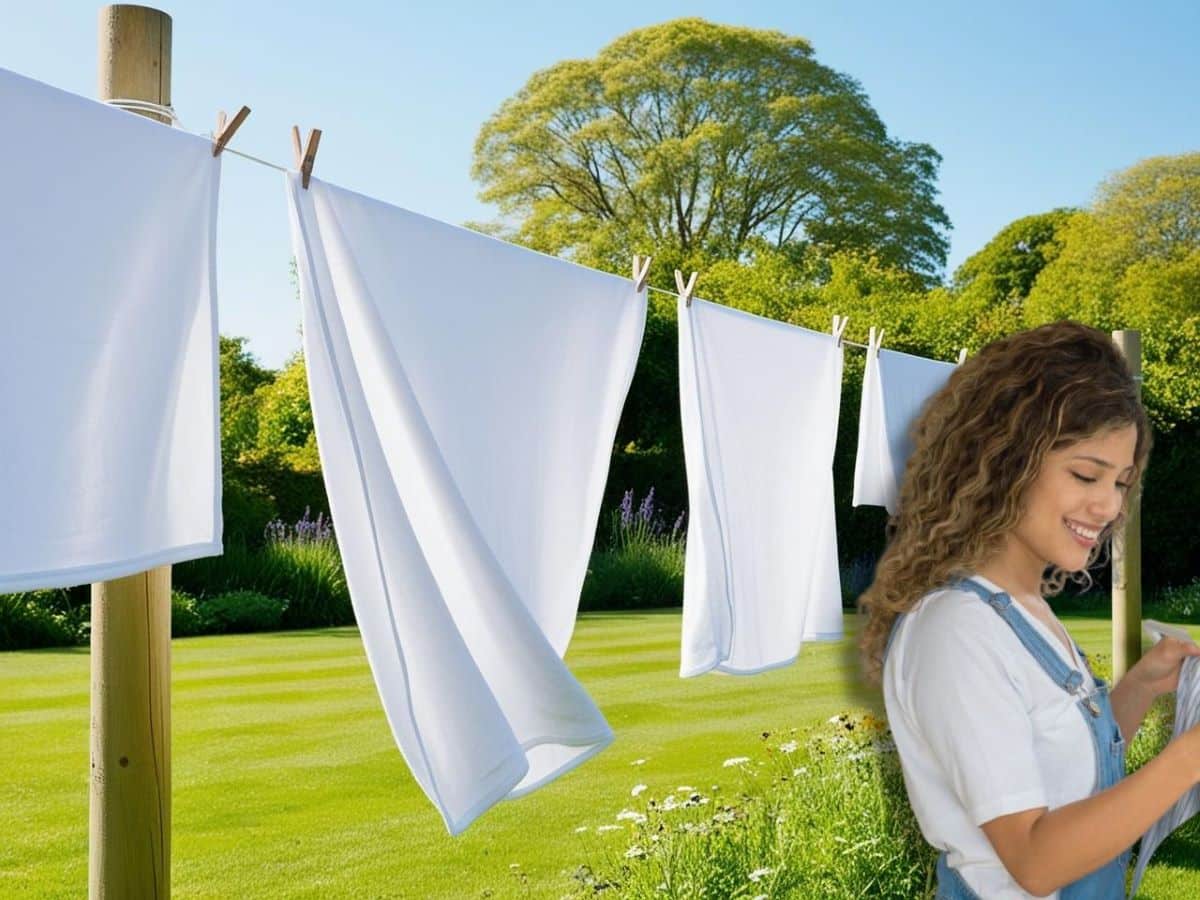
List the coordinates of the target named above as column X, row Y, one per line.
column 1086, row 536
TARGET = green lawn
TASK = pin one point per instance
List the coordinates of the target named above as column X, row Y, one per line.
column 287, row 782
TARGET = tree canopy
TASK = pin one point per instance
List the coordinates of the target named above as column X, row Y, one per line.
column 241, row 377
column 700, row 137
column 1008, row 265
column 1133, row 261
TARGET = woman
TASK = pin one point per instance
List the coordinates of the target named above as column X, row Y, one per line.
column 1013, row 753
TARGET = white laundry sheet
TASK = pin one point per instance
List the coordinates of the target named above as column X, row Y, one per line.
column 466, row 394
column 759, row 404
column 109, row 446
column 1187, row 716
column 895, row 388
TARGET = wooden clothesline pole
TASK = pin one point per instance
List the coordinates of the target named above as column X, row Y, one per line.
column 129, row 835
column 1127, row 552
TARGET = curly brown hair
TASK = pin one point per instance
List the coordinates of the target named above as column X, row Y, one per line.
column 978, row 444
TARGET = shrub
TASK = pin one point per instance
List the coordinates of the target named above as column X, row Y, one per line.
column 642, row 566
column 186, row 619
column 856, row 578
column 300, row 562
column 245, row 508
column 637, row 577
column 1179, row 604
column 40, row 619
column 240, row 611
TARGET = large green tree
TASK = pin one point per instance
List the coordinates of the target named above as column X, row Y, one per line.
column 1005, row 270
column 695, row 138
column 1132, row 260
column 241, row 378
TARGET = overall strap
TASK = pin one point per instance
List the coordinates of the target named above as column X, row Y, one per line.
column 1063, row 675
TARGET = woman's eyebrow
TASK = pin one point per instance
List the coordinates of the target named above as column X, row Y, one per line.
column 1096, row 459
column 1099, row 461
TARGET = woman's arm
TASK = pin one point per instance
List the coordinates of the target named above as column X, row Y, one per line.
column 1044, row 850
column 1130, row 700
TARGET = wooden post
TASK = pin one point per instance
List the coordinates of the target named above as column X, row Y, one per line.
column 1127, row 554
column 129, row 846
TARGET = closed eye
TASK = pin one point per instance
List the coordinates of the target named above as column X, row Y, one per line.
column 1087, row 480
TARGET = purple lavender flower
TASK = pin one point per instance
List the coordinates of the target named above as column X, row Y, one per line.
column 275, row 531
column 678, row 525
column 306, row 531
column 646, row 510
column 627, row 509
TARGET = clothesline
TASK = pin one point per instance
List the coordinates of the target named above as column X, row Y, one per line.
column 144, row 106
column 674, row 294
column 169, row 111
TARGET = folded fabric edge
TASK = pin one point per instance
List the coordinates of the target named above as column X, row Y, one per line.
column 604, row 460
column 700, row 669
column 697, row 458
column 107, row 571
column 506, row 776
column 592, row 745
column 821, row 636
column 722, row 667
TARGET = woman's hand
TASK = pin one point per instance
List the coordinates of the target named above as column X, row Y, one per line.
column 1158, row 670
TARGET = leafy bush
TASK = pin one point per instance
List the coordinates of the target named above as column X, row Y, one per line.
column 299, row 562
column 856, row 578
column 40, row 619
column 241, row 611
column 1179, row 604
column 186, row 618
column 637, row 577
column 642, row 565
column 245, row 509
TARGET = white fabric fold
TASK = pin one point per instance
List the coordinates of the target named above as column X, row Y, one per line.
column 1187, row 716
column 109, row 445
column 759, row 405
column 465, row 395
column 895, row 388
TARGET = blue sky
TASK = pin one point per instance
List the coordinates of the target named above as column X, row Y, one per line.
column 1030, row 104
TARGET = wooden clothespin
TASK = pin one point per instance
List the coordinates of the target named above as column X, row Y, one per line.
column 685, row 290
column 641, row 273
column 962, row 356
column 839, row 327
column 225, row 129
column 875, row 340
column 304, row 160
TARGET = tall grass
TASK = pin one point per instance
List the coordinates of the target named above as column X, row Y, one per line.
column 299, row 563
column 819, row 813
column 641, row 565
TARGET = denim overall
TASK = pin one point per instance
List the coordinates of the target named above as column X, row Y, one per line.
column 1107, row 882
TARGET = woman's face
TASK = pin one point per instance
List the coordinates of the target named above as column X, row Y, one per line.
column 1080, row 489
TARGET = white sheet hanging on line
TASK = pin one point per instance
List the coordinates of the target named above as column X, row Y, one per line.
column 759, row 404
column 1187, row 716
column 109, row 446
column 895, row 388
column 465, row 393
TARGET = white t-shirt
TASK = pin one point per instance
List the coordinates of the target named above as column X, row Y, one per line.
column 981, row 729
